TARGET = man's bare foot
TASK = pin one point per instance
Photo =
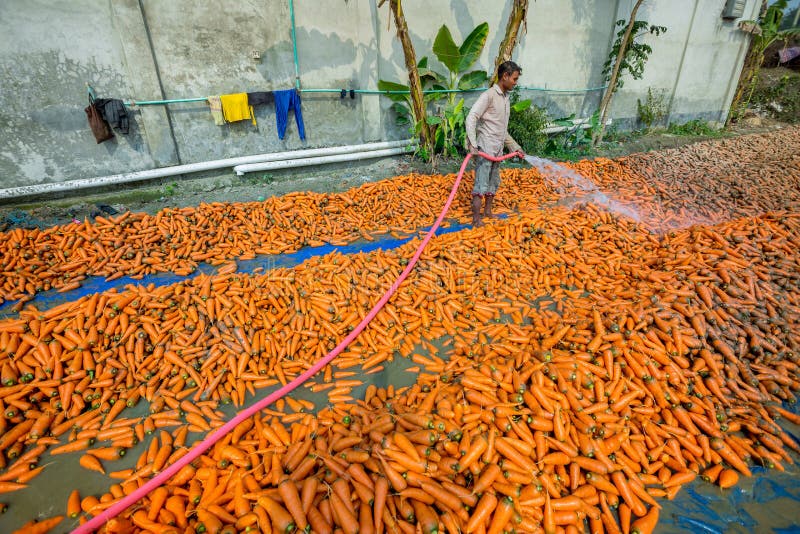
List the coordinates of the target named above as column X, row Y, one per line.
column 477, row 223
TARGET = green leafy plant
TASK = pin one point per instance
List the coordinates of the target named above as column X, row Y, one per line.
column 450, row 128
column 401, row 100
column 627, row 55
column 781, row 100
column 458, row 60
column 653, row 110
column 527, row 123
column 450, row 133
column 769, row 31
column 448, row 122
column 636, row 53
column 694, row 127
column 575, row 141
column 170, row 189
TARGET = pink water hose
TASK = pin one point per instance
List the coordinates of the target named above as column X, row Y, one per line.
column 201, row 447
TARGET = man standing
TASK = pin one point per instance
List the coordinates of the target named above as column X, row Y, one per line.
column 487, row 131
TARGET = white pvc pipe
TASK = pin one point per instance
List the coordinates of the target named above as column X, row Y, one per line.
column 139, row 176
column 303, row 162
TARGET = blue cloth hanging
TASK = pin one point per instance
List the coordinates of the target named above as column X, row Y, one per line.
column 284, row 101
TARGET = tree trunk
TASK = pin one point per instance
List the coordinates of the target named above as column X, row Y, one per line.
column 605, row 104
column 749, row 72
column 518, row 17
column 414, row 83
column 752, row 64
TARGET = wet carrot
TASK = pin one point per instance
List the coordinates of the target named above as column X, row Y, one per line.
column 40, row 527
column 720, row 447
column 483, row 511
column 91, row 462
column 291, row 500
column 345, row 517
column 502, row 516
column 281, row 519
column 379, row 503
column 728, row 478
column 647, row 523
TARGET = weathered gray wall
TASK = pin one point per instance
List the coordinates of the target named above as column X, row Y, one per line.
column 157, row 49
column 48, row 52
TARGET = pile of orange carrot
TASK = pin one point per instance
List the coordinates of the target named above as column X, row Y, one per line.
column 706, row 183
column 597, row 366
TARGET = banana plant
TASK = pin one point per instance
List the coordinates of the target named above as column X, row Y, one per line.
column 769, row 31
column 451, row 129
column 400, row 95
column 448, row 123
column 458, row 60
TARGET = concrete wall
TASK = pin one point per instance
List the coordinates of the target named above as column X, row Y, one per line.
column 169, row 49
column 695, row 65
column 48, row 52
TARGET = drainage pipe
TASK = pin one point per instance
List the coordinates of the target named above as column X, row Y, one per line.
column 139, row 176
column 304, row 162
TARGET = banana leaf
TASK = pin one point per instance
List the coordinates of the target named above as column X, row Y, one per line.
column 472, row 79
column 446, row 49
column 472, row 47
column 384, row 85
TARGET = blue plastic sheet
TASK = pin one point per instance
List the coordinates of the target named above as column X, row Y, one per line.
column 95, row 284
column 769, row 501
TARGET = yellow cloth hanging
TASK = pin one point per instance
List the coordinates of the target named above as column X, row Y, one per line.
column 236, row 108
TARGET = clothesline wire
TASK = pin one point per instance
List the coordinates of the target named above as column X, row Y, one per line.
column 360, row 91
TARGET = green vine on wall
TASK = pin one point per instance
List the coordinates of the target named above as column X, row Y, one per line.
column 636, row 54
